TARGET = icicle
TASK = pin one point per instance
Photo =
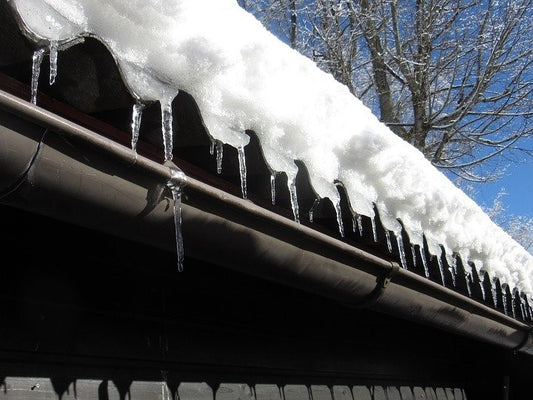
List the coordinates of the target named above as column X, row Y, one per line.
column 136, row 116
column 53, row 61
column 424, row 260
column 441, row 270
column 212, row 147
column 175, row 185
column 340, row 224
column 314, row 207
column 467, row 281
column 513, row 305
column 37, row 59
column 389, row 243
column 494, row 292
column 357, row 223
column 220, row 155
column 504, row 301
column 401, row 249
column 242, row 171
column 166, row 118
column 482, row 287
column 374, row 229
column 294, row 199
column 413, row 255
column 273, row 187
column 453, row 270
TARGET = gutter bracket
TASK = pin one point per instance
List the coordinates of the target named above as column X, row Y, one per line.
column 382, row 282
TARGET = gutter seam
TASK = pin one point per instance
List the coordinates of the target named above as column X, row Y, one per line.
column 24, row 175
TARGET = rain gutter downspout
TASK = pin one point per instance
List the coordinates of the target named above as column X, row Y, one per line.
column 307, row 259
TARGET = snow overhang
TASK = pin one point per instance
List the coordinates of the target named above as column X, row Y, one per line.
column 56, row 168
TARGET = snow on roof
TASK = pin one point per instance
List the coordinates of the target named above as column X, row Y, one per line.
column 244, row 78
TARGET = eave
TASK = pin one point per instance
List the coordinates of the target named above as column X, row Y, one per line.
column 52, row 166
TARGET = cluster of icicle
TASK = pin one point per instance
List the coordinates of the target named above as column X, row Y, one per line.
column 243, row 78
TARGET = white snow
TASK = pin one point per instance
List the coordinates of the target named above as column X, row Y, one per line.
column 242, row 77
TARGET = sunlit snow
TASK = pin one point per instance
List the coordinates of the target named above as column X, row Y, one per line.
column 242, row 77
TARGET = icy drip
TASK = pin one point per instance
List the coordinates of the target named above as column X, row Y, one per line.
column 53, row 61
column 389, row 242
column 166, row 120
column 176, row 184
column 453, row 270
column 401, row 249
column 37, row 60
column 313, row 209
column 424, row 261
column 220, row 155
column 525, row 308
column 294, row 199
column 467, row 281
column 273, row 187
column 340, row 224
column 360, row 224
column 513, row 301
column 441, row 270
column 136, row 117
column 242, row 171
column 413, row 255
column 357, row 224
column 494, row 292
column 504, row 301
column 482, row 286
column 374, row 228
column 212, row 147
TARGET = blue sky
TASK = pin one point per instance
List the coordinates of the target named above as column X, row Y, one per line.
column 518, row 184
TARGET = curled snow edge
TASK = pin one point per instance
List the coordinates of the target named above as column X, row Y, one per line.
column 244, row 78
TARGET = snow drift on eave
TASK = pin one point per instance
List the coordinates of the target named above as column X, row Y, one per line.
column 242, row 77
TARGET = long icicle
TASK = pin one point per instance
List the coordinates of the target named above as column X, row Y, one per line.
column 220, row 155
column 176, row 184
column 424, row 260
column 374, row 229
column 37, row 60
column 136, row 117
column 441, row 270
column 273, row 186
column 313, row 209
column 413, row 254
column 166, row 121
column 243, row 172
column 338, row 211
column 389, row 242
column 294, row 199
column 401, row 249
column 53, row 61
column 467, row 281
column 482, row 286
column 360, row 224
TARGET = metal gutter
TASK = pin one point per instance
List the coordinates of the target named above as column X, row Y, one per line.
column 76, row 175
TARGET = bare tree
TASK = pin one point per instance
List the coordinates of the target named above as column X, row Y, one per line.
column 519, row 227
column 452, row 77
